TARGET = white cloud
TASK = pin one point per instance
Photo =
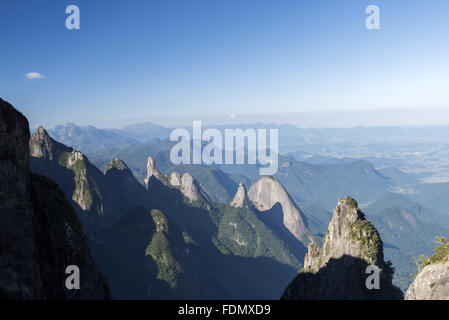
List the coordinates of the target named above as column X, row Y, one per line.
column 34, row 75
column 232, row 116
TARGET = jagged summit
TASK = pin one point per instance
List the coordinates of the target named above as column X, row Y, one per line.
column 117, row 164
column 348, row 233
column 83, row 183
column 240, row 199
column 190, row 188
column 41, row 133
column 350, row 245
column 188, row 185
column 42, row 145
column 266, row 192
column 153, row 171
column 175, row 179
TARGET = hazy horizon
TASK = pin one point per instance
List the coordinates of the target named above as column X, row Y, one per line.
column 272, row 61
column 388, row 117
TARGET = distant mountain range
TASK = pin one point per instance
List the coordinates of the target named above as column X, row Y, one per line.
column 406, row 238
column 300, row 141
column 167, row 230
column 315, row 187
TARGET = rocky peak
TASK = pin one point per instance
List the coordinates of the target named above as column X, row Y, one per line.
column 118, row 164
column 175, row 179
column 240, row 199
column 190, row 187
column 153, row 171
column 350, row 245
column 266, row 192
column 349, row 233
column 50, row 158
column 41, row 144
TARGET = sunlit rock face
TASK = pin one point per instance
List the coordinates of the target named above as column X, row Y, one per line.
column 338, row 269
column 432, row 283
column 266, row 192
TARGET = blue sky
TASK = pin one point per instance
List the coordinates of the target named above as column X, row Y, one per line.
column 148, row 60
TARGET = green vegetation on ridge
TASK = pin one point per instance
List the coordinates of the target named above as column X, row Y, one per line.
column 441, row 254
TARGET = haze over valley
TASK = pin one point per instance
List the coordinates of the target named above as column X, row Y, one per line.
column 393, row 172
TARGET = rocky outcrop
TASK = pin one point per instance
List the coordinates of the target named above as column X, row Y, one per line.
column 338, row 269
column 99, row 198
column 16, row 214
column 187, row 184
column 175, row 179
column 191, row 189
column 240, row 199
column 53, row 159
column 40, row 234
column 432, row 283
column 117, row 164
column 41, row 145
column 348, row 233
column 153, row 171
column 266, row 192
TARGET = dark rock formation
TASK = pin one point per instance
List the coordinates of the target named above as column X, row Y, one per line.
column 40, row 234
column 99, row 198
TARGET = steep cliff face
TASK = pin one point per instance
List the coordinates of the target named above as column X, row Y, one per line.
column 432, row 282
column 68, row 167
column 266, row 193
column 338, row 269
column 40, row 234
column 16, row 257
column 97, row 197
column 191, row 189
